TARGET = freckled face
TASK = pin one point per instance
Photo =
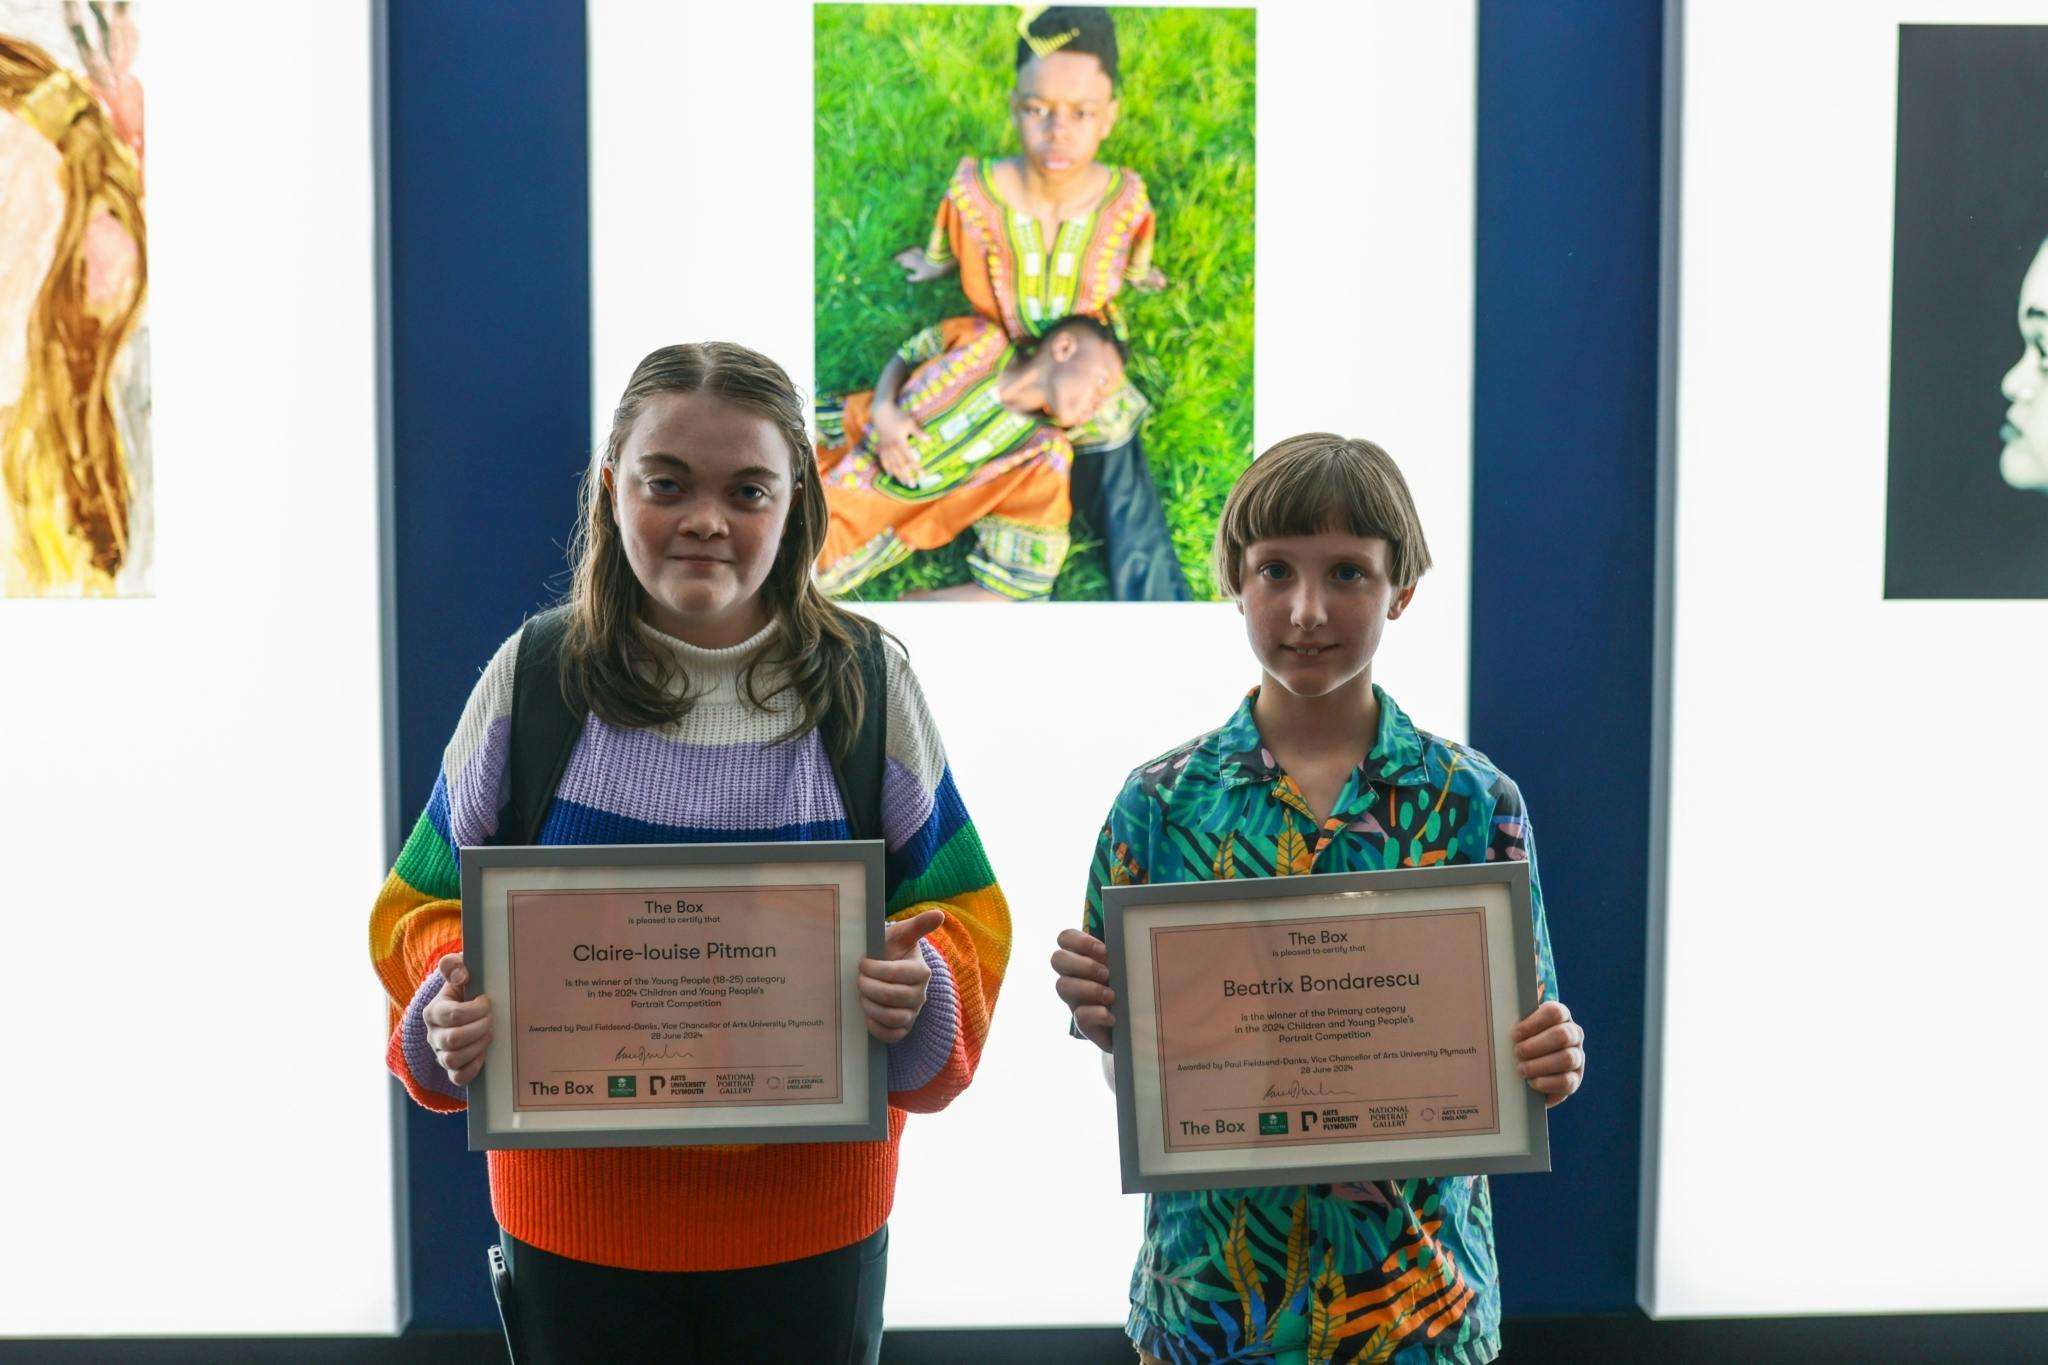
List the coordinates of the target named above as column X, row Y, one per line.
column 1064, row 106
column 1316, row 606
column 2025, row 387
column 701, row 494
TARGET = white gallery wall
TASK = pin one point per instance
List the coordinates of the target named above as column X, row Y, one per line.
column 1855, row 919
column 197, row 1129
column 1363, row 316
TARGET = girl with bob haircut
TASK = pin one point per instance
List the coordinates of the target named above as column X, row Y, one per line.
column 1319, row 482
column 705, row 661
column 1318, row 771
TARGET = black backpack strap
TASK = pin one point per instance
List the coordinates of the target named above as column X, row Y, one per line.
column 545, row 728
column 859, row 773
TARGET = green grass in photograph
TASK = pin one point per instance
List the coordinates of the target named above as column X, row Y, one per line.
column 905, row 91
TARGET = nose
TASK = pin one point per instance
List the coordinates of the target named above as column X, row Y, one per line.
column 1308, row 612
column 2023, row 380
column 701, row 518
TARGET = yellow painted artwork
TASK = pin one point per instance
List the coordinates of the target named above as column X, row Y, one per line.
column 75, row 466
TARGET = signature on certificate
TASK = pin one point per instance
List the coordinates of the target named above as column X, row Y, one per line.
column 643, row 1053
column 1295, row 1090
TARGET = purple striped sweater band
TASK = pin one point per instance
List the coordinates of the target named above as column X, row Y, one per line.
column 426, row 1067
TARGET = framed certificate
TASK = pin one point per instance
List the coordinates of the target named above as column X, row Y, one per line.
column 673, row 994
column 1323, row 1029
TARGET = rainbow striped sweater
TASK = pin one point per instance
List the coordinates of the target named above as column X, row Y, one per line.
column 717, row 776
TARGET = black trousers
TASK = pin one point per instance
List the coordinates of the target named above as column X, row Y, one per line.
column 1114, row 492
column 825, row 1309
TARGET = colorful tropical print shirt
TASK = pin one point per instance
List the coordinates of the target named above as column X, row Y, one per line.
column 1399, row 1271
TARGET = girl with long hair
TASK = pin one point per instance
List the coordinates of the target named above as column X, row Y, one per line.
column 708, row 661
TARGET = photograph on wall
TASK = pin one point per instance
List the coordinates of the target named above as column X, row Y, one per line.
column 74, row 355
column 1034, row 247
column 1966, row 508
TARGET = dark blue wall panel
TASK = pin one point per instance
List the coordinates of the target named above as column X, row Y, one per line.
column 1564, row 498
column 490, row 334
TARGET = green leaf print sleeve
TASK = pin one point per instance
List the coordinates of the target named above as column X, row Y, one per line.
column 1515, row 840
column 1091, row 903
column 1111, row 865
column 1098, row 877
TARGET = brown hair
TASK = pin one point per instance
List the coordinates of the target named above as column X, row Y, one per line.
column 63, row 438
column 1322, row 482
column 607, row 659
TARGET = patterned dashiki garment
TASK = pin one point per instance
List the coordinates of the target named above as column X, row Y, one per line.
column 1399, row 1271
column 1014, row 279
column 1004, row 474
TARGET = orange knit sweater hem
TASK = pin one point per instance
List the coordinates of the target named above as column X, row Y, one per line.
column 696, row 1208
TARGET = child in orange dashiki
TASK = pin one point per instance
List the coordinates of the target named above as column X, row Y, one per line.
column 1053, row 233
column 977, row 442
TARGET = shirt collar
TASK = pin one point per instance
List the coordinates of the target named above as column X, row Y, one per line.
column 1399, row 756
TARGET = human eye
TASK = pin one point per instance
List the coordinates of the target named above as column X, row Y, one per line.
column 662, row 486
column 1349, row 573
column 1273, row 571
column 750, row 493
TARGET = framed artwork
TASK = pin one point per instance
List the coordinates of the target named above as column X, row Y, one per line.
column 75, row 470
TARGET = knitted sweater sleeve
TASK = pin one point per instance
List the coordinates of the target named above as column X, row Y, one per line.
column 935, row 862
column 418, row 915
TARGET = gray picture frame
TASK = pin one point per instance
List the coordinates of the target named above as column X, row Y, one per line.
column 1523, row 1111
column 487, row 1130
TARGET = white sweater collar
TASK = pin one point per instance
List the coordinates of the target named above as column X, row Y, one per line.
column 714, row 674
